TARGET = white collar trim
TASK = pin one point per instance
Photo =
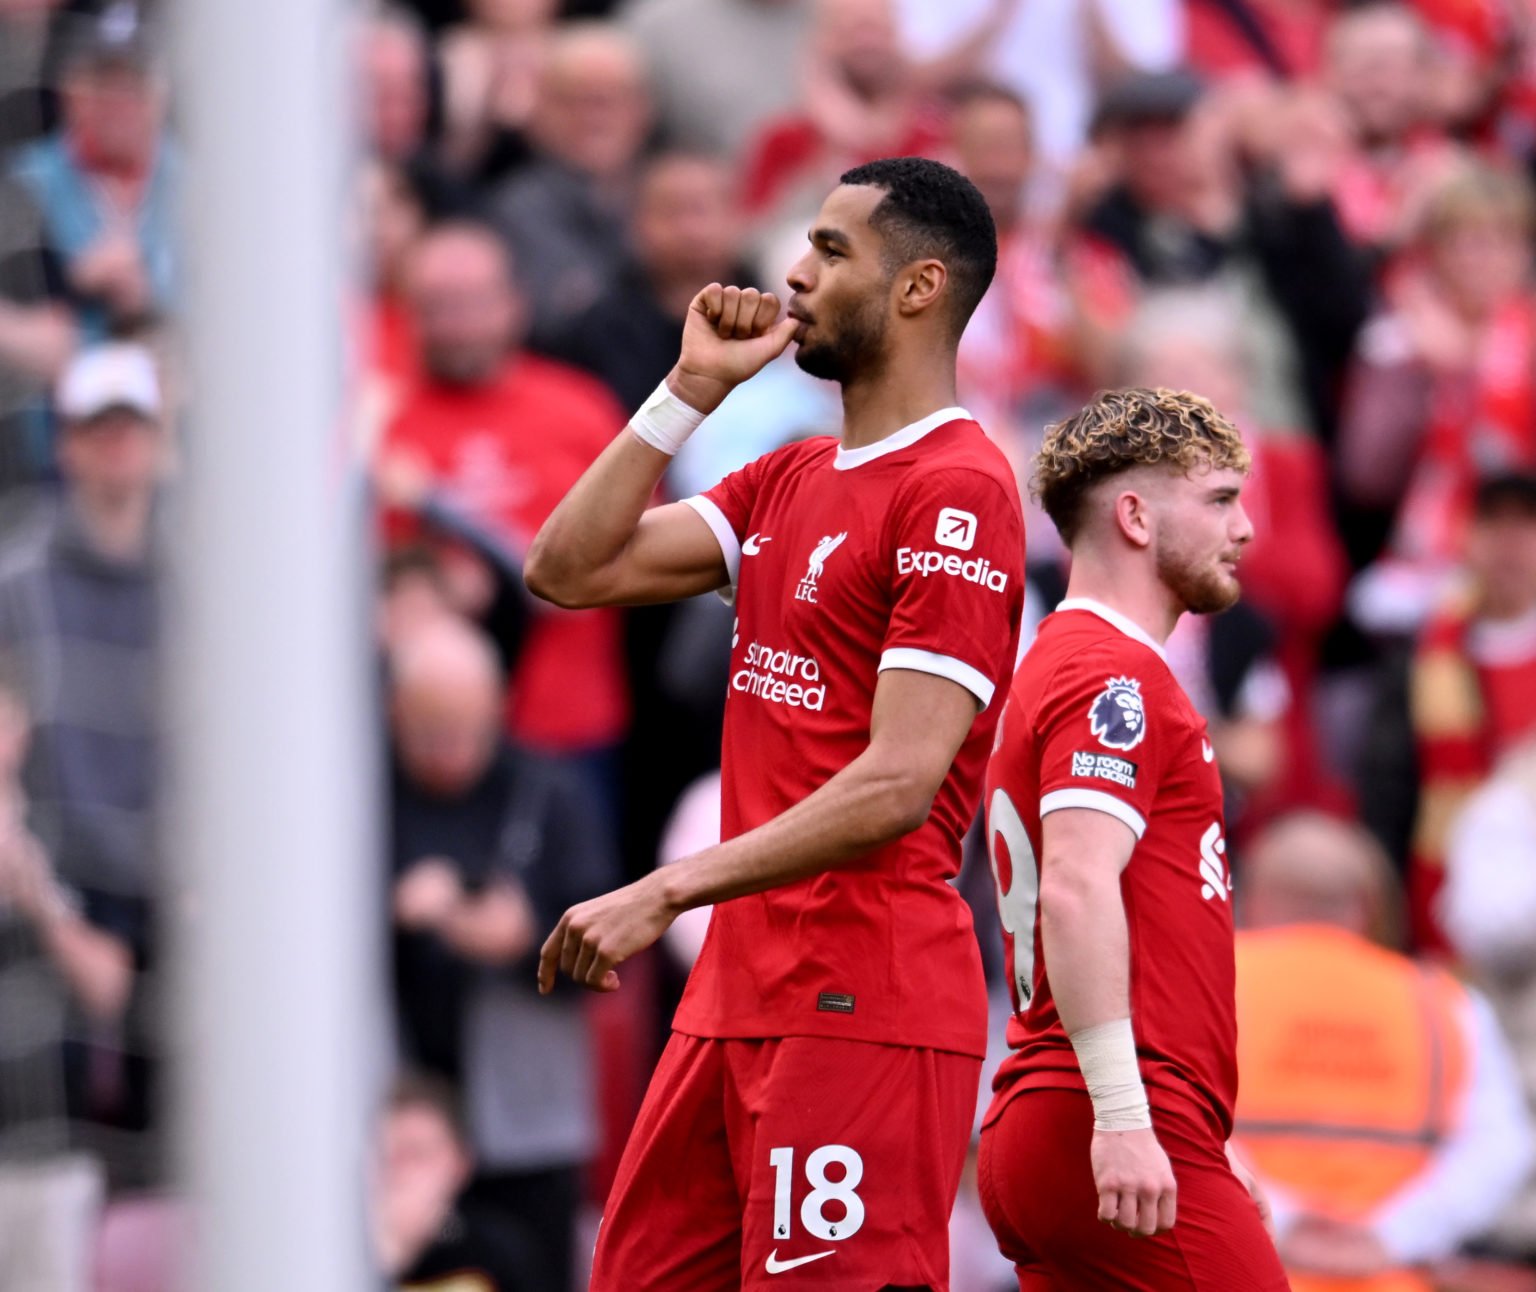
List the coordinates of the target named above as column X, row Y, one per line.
column 847, row 459
column 1115, row 619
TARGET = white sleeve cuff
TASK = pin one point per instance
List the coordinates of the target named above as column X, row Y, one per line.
column 730, row 546
column 956, row 670
column 1098, row 801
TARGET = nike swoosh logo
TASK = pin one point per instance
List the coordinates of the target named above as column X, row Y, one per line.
column 754, row 545
column 776, row 1266
column 1206, row 752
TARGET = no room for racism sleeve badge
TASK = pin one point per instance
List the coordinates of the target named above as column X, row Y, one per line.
column 1116, row 717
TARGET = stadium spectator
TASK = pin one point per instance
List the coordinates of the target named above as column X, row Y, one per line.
column 1381, row 67
column 488, row 846
column 37, row 335
column 859, row 101
column 1380, row 1103
column 1488, row 909
column 504, row 434
column 80, row 595
column 28, row 81
column 393, row 218
column 105, row 182
column 707, row 61
column 1444, row 388
column 1178, row 212
column 565, row 213
column 1279, row 38
column 427, row 1237
column 458, row 570
column 1292, row 573
column 1463, row 696
column 49, row 1194
column 397, row 110
column 493, row 64
column 1054, row 55
column 684, row 234
column 1017, row 359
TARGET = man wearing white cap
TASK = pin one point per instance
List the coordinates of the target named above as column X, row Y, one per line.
column 79, row 607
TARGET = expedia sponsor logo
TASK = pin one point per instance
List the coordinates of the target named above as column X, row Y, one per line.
column 977, row 570
column 781, row 677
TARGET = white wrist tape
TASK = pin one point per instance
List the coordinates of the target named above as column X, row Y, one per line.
column 664, row 421
column 1107, row 1056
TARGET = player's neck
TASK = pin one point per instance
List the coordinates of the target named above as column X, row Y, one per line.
column 898, row 395
column 1145, row 602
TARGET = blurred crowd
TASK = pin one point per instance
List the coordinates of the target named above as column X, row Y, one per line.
column 1318, row 213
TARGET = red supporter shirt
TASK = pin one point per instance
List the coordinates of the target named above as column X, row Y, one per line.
column 907, row 553
column 1095, row 719
column 508, row 452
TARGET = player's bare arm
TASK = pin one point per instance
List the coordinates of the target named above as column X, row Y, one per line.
column 917, row 726
column 603, row 545
column 1083, row 932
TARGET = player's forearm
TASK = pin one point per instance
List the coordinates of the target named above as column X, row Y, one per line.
column 579, row 550
column 871, row 802
column 1083, row 933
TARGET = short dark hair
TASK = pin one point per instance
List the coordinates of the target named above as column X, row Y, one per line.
column 932, row 210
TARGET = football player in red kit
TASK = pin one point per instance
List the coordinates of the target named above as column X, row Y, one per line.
column 807, row 1124
column 1104, row 820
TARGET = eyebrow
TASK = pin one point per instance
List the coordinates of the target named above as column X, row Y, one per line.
column 824, row 237
column 1225, row 491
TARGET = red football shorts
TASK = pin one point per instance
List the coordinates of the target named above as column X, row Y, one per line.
column 1037, row 1190
column 800, row 1163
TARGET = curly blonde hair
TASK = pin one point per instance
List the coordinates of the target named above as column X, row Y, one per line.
column 1121, row 429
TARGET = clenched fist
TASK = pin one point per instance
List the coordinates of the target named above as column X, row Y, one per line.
column 731, row 334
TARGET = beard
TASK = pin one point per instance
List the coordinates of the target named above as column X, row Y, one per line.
column 856, row 349
column 461, row 365
column 1202, row 588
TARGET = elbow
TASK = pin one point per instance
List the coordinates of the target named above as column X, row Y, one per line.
column 905, row 806
column 544, row 578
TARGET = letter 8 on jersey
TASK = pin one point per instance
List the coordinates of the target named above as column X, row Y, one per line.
column 813, row 1208
column 1018, row 887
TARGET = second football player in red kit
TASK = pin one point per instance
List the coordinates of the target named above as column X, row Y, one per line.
column 1104, row 820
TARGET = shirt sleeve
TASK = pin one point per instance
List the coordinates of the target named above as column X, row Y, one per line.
column 727, row 510
column 957, row 570
column 1103, row 735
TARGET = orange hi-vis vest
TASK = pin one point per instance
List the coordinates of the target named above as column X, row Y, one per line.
column 1354, row 1068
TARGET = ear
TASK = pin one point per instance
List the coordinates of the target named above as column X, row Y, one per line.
column 919, row 286
column 1133, row 518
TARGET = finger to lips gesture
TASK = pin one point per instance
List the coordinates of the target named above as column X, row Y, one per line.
column 732, row 333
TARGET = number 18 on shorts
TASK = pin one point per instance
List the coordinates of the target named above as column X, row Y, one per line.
column 805, row 1162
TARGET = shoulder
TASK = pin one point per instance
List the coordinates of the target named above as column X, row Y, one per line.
column 968, row 466
column 1116, row 681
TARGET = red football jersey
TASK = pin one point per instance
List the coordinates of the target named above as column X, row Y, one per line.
column 908, row 553
column 1095, row 719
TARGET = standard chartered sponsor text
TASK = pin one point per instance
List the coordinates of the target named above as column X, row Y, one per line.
column 781, row 677
column 978, row 570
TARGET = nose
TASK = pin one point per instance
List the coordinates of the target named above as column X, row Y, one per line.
column 1242, row 526
column 799, row 277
